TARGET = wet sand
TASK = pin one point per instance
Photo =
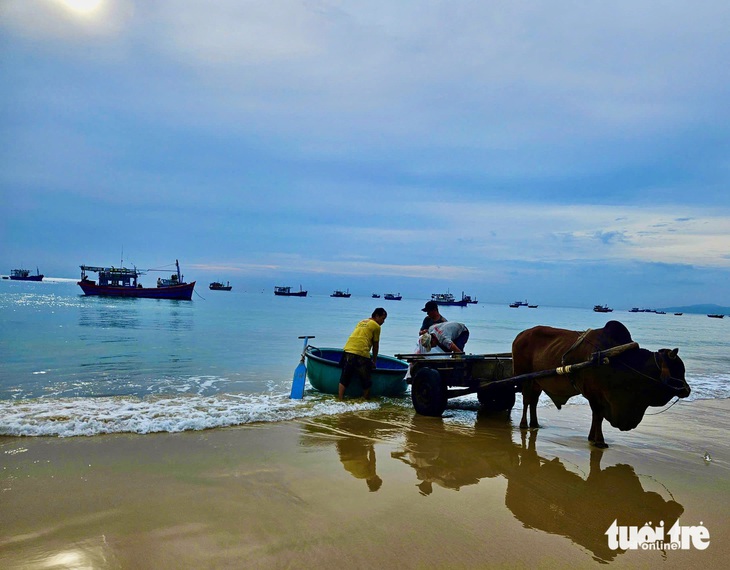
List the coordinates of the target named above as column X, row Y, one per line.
column 384, row 488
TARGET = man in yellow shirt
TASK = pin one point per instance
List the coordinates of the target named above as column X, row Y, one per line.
column 356, row 359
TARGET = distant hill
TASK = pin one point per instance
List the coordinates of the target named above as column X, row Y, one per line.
column 708, row 309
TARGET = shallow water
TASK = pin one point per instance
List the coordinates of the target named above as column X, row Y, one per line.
column 75, row 365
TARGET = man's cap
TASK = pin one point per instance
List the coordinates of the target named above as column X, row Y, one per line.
column 430, row 306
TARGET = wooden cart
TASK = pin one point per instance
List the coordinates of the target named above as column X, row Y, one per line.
column 437, row 377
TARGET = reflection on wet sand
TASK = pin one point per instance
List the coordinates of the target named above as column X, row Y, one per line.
column 541, row 493
column 354, row 438
column 358, row 458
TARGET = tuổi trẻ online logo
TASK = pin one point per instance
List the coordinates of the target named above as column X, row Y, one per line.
column 657, row 538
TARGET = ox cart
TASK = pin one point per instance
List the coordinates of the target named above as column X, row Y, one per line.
column 435, row 378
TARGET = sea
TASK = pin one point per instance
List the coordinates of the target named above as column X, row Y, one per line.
column 72, row 365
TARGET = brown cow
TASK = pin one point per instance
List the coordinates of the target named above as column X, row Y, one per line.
column 619, row 391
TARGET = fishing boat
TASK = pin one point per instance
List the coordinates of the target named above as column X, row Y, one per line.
column 343, row 294
column 393, row 297
column 218, row 286
column 447, row 299
column 283, row 291
column 323, row 372
column 25, row 275
column 716, row 316
column 376, row 296
column 468, row 299
column 602, row 309
column 532, row 306
column 123, row 282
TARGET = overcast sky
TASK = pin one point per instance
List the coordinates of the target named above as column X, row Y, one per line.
column 571, row 153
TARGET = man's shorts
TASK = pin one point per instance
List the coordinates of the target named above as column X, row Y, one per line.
column 356, row 366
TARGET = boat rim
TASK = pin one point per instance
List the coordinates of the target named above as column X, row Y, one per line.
column 322, row 360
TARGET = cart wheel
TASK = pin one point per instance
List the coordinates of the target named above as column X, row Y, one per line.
column 497, row 400
column 428, row 393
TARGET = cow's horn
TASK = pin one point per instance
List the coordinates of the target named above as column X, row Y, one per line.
column 673, row 354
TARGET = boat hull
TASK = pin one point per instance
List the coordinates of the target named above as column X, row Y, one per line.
column 323, row 372
column 29, row 278
column 294, row 294
column 452, row 303
column 182, row 292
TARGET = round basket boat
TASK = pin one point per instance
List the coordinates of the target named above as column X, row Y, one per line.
column 323, row 372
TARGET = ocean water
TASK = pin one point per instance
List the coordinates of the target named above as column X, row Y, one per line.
column 74, row 365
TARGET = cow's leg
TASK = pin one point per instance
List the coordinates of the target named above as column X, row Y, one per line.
column 595, row 436
column 530, row 395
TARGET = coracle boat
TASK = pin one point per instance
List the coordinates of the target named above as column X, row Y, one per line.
column 25, row 275
column 218, row 286
column 122, row 282
column 323, row 371
column 282, row 291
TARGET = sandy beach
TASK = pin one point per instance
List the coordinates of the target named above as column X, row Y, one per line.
column 383, row 488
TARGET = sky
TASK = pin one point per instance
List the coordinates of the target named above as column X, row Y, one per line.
column 571, row 153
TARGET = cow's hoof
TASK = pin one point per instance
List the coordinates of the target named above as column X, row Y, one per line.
column 523, row 425
column 599, row 444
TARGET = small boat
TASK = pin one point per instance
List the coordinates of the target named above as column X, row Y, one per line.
column 323, row 371
column 122, row 282
column 515, row 305
column 393, row 297
column 716, row 316
column 287, row 292
column 338, row 293
column 602, row 309
column 532, row 306
column 376, row 296
column 447, row 299
column 468, row 299
column 25, row 275
column 634, row 310
column 678, row 314
column 218, row 286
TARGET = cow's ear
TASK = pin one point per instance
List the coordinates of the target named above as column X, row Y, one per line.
column 673, row 354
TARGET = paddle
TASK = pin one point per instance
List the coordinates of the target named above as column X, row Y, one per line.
column 300, row 374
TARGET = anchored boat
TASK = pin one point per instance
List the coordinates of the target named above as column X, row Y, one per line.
column 447, row 299
column 282, row 291
column 218, row 286
column 323, row 371
column 25, row 275
column 122, row 282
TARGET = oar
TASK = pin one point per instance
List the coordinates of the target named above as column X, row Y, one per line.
column 300, row 374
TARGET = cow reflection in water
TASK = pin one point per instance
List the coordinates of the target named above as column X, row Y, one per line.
column 541, row 493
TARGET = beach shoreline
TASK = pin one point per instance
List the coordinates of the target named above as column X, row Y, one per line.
column 381, row 487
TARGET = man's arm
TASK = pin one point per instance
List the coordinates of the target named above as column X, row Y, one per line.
column 376, row 347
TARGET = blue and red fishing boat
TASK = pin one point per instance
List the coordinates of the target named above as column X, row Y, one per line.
column 122, row 282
